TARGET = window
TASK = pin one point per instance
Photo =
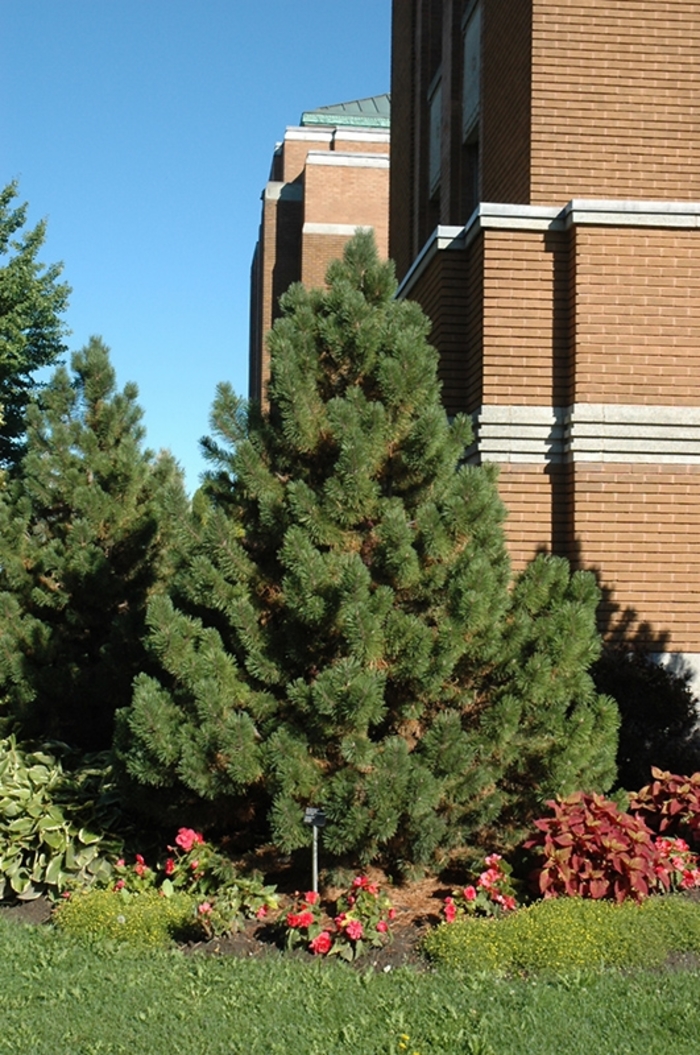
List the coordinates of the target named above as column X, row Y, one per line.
column 435, row 142
column 471, row 74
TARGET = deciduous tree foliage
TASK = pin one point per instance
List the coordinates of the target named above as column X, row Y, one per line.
column 87, row 524
column 31, row 330
column 344, row 633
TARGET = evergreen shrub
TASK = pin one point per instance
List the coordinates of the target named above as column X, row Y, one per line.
column 570, row 934
column 658, row 714
column 88, row 522
column 345, row 631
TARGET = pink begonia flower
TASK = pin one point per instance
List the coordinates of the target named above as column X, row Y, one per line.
column 311, row 897
column 492, row 859
column 340, row 920
column 292, row 919
column 262, row 912
column 382, row 926
column 358, row 881
column 469, row 893
column 508, row 903
column 169, row 867
column 392, row 913
column 305, row 919
column 204, row 909
column 450, row 910
column 354, row 930
column 140, row 859
column 194, row 864
column 121, row 862
column 351, row 900
column 322, row 944
column 120, row 884
column 140, row 868
column 187, row 837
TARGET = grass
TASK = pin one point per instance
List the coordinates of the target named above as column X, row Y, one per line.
column 61, row 996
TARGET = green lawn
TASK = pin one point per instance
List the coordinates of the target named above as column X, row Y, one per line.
column 59, row 996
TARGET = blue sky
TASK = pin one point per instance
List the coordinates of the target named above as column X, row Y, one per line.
column 143, row 131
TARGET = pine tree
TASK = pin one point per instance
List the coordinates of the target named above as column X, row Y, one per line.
column 86, row 531
column 31, row 330
column 343, row 634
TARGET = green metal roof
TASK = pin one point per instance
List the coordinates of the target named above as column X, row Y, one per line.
column 373, row 112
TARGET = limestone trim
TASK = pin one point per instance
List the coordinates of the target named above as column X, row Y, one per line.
column 354, row 160
column 275, row 191
column 333, row 228
column 587, row 432
column 307, row 135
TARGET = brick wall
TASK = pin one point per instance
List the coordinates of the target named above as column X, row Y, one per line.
column 637, row 315
column 317, row 252
column 645, row 545
column 614, row 100
column 348, row 194
column 450, row 293
column 526, row 491
column 520, row 316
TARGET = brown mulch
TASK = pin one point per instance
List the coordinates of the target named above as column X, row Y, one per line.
column 418, row 907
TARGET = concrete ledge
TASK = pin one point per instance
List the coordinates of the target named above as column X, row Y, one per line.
column 333, row 228
column 308, row 135
column 347, row 160
column 275, row 191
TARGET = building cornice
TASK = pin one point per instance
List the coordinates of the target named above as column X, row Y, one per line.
column 603, row 212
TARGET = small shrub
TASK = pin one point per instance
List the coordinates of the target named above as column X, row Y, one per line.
column 670, row 805
column 147, row 919
column 570, row 934
column 658, row 714
column 592, row 849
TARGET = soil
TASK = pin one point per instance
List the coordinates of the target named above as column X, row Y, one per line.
column 418, row 907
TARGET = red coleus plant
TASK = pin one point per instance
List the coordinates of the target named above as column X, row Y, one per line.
column 670, row 805
column 590, row 848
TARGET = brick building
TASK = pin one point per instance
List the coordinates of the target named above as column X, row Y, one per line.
column 329, row 176
column 545, row 212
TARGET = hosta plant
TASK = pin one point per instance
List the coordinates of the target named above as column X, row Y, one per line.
column 491, row 893
column 670, row 804
column 589, row 848
column 53, row 822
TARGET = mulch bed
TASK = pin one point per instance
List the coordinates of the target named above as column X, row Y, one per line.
column 417, row 907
